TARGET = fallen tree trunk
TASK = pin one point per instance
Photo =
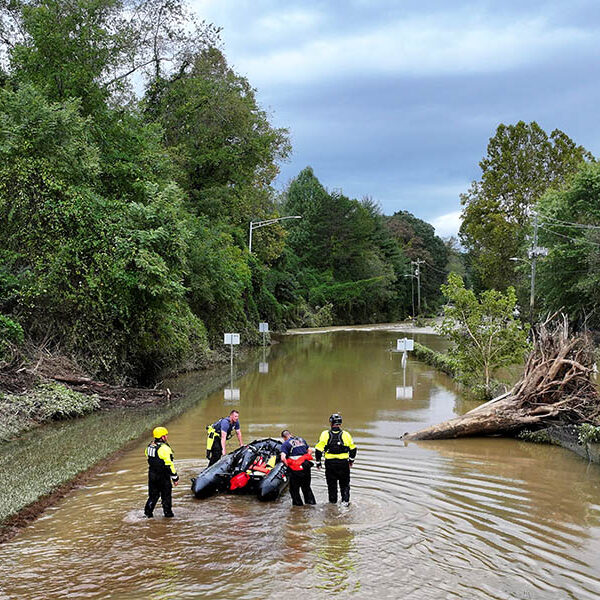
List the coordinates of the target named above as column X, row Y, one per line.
column 556, row 387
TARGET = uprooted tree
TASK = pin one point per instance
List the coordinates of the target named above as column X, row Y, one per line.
column 556, row 388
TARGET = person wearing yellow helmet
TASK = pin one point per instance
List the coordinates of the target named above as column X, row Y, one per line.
column 161, row 473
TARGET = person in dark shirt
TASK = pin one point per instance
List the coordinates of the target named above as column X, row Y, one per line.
column 218, row 434
column 161, row 473
column 295, row 453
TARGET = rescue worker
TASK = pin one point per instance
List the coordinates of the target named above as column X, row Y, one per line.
column 295, row 453
column 161, row 473
column 219, row 433
column 340, row 452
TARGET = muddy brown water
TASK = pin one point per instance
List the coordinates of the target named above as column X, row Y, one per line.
column 472, row 519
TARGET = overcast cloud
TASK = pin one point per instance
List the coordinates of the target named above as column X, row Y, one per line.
column 396, row 100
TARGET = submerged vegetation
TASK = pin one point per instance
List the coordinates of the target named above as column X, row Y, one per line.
column 442, row 362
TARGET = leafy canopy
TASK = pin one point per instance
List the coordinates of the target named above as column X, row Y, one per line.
column 521, row 163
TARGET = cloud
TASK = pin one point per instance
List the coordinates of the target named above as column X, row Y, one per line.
column 447, row 225
column 413, row 46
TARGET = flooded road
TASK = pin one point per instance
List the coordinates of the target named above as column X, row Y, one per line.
column 472, row 519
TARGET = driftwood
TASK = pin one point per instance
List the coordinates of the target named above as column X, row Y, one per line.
column 111, row 396
column 556, row 387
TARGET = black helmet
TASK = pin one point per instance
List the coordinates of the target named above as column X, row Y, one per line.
column 335, row 419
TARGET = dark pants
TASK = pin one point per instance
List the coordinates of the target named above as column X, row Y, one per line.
column 300, row 480
column 216, row 452
column 159, row 486
column 337, row 470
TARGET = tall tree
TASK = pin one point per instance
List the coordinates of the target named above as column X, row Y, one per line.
column 219, row 136
column 418, row 241
column 569, row 277
column 521, row 163
column 89, row 49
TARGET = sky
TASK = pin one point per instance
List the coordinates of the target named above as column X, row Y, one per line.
column 397, row 100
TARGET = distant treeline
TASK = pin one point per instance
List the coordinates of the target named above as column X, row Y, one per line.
column 125, row 217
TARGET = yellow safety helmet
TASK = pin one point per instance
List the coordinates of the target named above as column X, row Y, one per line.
column 158, row 432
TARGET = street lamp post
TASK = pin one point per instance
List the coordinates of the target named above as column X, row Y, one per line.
column 256, row 224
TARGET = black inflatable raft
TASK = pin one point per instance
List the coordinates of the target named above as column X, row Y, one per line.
column 252, row 469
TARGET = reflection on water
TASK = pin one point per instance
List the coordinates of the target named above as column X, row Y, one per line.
column 473, row 519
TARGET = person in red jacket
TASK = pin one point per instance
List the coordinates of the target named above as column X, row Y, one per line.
column 296, row 455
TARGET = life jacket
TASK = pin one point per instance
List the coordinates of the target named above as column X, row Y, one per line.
column 213, row 431
column 156, row 463
column 335, row 445
column 260, row 465
column 295, row 463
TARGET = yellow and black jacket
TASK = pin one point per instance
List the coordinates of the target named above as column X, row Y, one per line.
column 337, row 444
column 160, row 459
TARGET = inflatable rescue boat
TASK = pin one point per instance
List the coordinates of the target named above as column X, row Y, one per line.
column 252, row 469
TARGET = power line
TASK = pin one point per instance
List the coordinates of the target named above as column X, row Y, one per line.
column 437, row 270
column 568, row 237
column 568, row 223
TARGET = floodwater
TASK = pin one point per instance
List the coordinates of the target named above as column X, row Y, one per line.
column 472, row 519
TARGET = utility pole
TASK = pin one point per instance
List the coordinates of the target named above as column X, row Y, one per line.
column 533, row 254
column 417, row 274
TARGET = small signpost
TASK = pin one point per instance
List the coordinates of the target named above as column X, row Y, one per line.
column 404, row 345
column 233, row 339
column 264, row 329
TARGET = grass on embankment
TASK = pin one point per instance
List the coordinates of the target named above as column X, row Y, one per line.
column 46, row 402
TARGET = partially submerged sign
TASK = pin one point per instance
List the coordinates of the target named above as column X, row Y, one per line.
column 405, row 345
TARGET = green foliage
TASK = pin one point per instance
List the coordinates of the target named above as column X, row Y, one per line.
column 536, row 437
column 104, row 275
column 484, row 332
column 342, row 254
column 419, row 242
column 588, row 434
column 47, row 402
column 521, row 163
column 11, row 335
column 219, row 137
column 569, row 277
